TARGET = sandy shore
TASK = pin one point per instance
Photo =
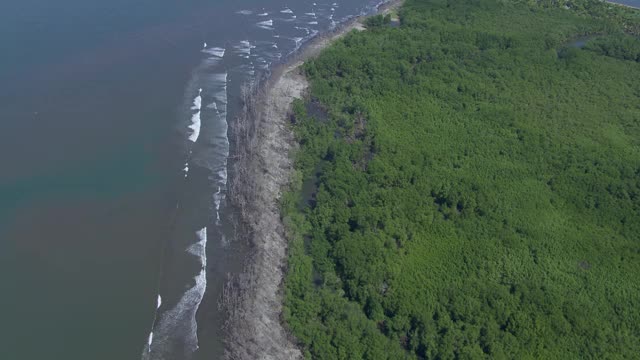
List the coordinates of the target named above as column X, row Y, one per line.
column 263, row 168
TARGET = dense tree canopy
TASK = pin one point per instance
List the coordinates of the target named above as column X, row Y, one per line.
column 468, row 186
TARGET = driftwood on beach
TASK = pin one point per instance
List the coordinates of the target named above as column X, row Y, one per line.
column 261, row 169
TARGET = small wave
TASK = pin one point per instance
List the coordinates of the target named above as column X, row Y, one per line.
column 183, row 314
column 244, row 12
column 195, row 127
column 217, row 199
column 149, row 341
column 287, row 11
column 244, row 47
column 312, row 23
column 264, row 14
column 159, row 302
column 311, row 14
column 197, row 101
column 198, row 249
column 195, row 118
column 298, row 41
column 267, row 25
column 219, row 79
column 215, row 51
column 307, row 30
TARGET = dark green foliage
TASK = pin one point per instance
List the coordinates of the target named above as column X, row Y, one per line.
column 476, row 189
column 377, row 21
column 619, row 47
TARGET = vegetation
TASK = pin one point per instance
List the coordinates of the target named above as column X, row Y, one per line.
column 619, row 47
column 468, row 187
column 378, row 20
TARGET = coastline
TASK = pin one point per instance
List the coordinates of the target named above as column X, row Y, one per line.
column 261, row 171
column 614, row 2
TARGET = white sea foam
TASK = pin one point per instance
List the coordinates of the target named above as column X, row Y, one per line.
column 159, row 302
column 311, row 14
column 287, row 11
column 307, row 30
column 264, row 14
column 244, row 47
column 195, row 127
column 197, row 101
column 149, row 341
column 198, row 249
column 215, row 51
column 217, row 199
column 244, row 12
column 312, row 23
column 267, row 25
column 182, row 315
column 204, row 45
column 222, row 174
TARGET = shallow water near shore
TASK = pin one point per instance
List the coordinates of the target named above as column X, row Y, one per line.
column 116, row 237
column 631, row 3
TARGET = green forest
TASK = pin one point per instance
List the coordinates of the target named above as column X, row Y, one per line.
column 467, row 186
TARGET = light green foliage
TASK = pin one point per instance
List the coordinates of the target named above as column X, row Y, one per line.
column 477, row 189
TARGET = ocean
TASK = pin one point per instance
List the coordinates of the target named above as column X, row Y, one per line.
column 631, row 3
column 116, row 237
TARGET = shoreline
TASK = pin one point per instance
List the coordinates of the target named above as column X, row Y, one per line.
column 262, row 170
column 636, row 7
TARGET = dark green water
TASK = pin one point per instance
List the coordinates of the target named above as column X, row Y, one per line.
column 97, row 217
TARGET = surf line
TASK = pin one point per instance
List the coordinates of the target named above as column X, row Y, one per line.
column 150, row 340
